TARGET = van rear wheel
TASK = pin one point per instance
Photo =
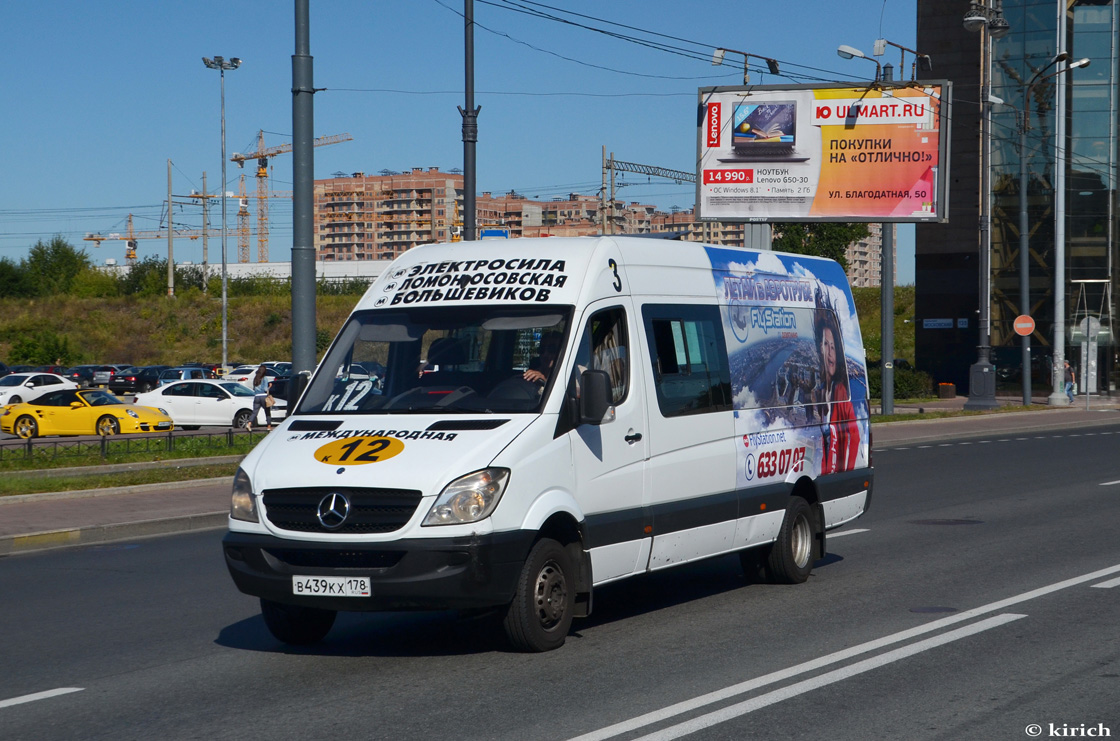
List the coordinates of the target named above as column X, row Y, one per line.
column 540, row 615
column 791, row 556
column 296, row 625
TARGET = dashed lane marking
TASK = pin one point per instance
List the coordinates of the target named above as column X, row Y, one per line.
column 39, row 696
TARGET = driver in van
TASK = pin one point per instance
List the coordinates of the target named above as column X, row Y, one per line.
column 547, row 353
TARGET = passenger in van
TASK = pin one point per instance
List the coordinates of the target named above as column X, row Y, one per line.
column 547, row 352
column 840, row 431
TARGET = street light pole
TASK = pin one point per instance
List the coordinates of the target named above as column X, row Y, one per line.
column 221, row 64
column 1024, row 226
column 989, row 21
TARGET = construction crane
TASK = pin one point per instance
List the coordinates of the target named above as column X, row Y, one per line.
column 262, row 156
column 130, row 236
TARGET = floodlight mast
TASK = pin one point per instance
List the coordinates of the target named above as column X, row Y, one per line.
column 221, row 64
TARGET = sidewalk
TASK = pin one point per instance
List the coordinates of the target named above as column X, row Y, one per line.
column 49, row 520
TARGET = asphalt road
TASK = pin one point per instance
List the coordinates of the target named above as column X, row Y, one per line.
column 977, row 598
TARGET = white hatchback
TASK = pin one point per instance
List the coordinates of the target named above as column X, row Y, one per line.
column 18, row 387
column 201, row 402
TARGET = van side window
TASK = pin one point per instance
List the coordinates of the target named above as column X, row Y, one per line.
column 605, row 346
column 688, row 358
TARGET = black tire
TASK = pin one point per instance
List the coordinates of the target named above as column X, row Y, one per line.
column 790, row 558
column 15, row 400
column 107, row 426
column 295, row 625
column 241, row 419
column 541, row 613
column 26, row 427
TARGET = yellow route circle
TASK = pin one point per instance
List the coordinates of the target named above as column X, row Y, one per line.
column 358, row 451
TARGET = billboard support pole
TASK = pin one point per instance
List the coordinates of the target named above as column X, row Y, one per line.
column 886, row 301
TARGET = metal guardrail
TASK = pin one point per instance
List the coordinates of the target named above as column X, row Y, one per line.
column 47, row 450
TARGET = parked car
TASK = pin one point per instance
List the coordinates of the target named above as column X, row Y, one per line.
column 170, row 375
column 20, row 387
column 201, row 402
column 81, row 412
column 23, row 368
column 105, row 373
column 4, row 370
column 210, row 368
column 282, row 367
column 82, row 374
column 59, row 369
column 136, row 379
column 244, row 374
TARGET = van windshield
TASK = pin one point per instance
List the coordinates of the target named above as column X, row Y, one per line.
column 488, row 359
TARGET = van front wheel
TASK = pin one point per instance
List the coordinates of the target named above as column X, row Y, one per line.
column 540, row 615
column 295, row 625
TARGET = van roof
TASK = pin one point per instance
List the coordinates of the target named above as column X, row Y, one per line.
column 551, row 270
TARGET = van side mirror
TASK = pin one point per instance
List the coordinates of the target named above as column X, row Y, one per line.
column 595, row 398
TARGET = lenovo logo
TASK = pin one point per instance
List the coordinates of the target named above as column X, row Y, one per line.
column 713, row 124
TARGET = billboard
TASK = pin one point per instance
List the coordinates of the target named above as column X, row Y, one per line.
column 824, row 153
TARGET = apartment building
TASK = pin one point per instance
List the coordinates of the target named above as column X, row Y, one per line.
column 378, row 217
column 865, row 258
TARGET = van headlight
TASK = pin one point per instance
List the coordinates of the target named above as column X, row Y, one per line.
column 469, row 498
column 242, row 506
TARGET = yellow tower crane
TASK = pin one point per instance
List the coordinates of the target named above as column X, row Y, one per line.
column 130, row 236
column 262, row 156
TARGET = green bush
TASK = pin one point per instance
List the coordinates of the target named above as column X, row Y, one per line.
column 43, row 348
column 908, row 384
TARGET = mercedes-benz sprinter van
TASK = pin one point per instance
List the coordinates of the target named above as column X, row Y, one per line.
column 553, row 415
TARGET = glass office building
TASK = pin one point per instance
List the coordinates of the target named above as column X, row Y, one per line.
column 1080, row 163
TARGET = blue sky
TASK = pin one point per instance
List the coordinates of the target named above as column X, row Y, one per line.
column 99, row 95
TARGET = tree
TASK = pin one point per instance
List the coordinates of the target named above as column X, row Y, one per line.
column 13, row 280
column 823, row 239
column 52, row 267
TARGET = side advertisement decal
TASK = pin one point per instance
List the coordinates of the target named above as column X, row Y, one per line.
column 798, row 385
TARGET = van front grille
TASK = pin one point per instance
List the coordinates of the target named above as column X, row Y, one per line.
column 371, row 510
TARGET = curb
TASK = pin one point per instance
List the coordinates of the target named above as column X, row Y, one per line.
column 127, row 467
column 916, row 436
column 134, row 489
column 32, row 542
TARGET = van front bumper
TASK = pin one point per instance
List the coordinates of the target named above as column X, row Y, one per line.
column 414, row 574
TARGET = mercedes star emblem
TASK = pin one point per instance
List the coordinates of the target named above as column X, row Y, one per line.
column 334, row 508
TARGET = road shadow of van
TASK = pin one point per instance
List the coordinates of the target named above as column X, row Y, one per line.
column 465, row 633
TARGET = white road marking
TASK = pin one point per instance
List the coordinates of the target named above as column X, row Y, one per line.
column 847, row 532
column 945, row 445
column 923, row 447
column 1108, row 584
column 39, row 696
column 837, row 675
column 751, row 685
column 1110, row 483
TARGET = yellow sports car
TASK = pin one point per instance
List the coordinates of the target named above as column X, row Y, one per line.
column 76, row 412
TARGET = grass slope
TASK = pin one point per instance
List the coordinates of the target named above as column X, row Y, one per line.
column 147, row 331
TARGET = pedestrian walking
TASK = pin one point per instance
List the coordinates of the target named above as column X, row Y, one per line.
column 260, row 398
column 1068, row 375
